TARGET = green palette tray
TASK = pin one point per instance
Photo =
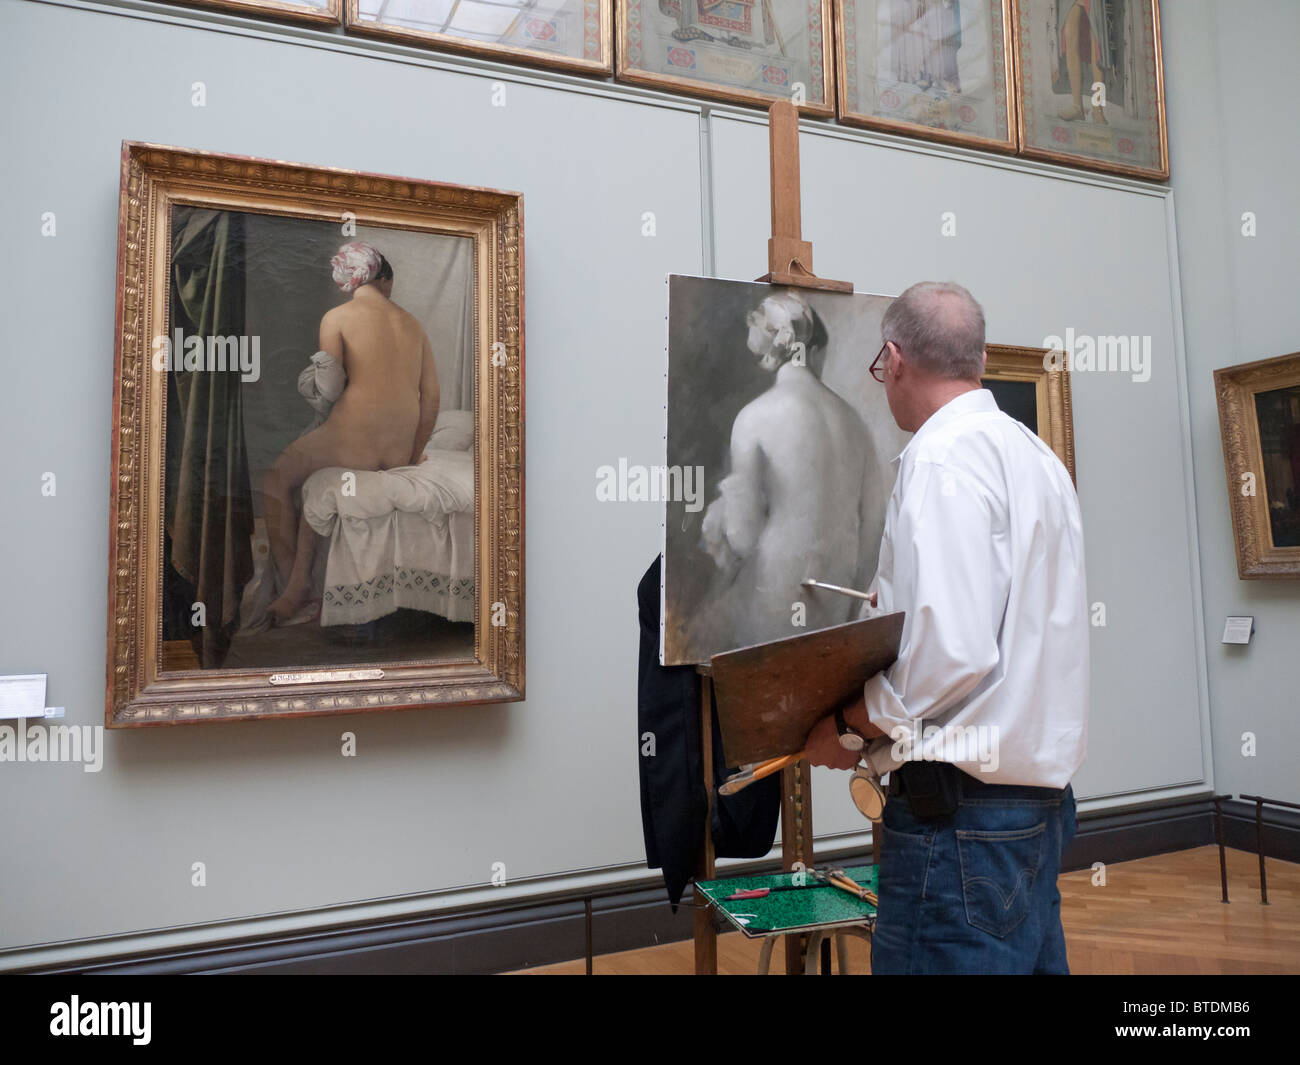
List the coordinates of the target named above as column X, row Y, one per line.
column 790, row 911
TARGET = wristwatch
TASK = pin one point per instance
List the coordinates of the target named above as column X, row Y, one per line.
column 850, row 738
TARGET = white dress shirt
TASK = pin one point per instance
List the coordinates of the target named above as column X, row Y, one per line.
column 983, row 549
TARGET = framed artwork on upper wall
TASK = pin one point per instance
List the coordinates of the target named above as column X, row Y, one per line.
column 1259, row 418
column 572, row 35
column 746, row 51
column 938, row 69
column 1090, row 85
column 1034, row 388
column 320, row 12
column 316, row 500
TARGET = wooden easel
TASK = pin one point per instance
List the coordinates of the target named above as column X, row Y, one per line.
column 789, row 262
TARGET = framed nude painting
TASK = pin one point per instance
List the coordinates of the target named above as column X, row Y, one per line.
column 316, row 499
column 746, row 51
column 1034, row 388
column 1090, row 85
column 1259, row 418
column 572, row 35
column 320, row 12
column 938, row 69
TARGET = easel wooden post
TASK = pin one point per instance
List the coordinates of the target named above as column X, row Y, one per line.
column 790, row 263
column 706, row 934
column 789, row 256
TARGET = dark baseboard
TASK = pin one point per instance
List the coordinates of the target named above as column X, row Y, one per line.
column 528, row 935
column 1140, row 833
column 493, row 940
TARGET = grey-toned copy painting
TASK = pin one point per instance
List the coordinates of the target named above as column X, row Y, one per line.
column 780, row 450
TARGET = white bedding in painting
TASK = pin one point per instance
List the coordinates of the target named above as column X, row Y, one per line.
column 405, row 538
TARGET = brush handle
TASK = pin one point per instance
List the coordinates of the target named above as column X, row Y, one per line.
column 763, row 769
column 870, row 597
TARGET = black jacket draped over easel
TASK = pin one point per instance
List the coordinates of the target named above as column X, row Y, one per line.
column 673, row 800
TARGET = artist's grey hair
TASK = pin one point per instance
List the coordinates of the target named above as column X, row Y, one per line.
column 939, row 327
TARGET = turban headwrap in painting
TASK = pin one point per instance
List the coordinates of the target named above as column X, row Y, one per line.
column 356, row 264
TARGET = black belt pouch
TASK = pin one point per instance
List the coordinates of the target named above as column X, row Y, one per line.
column 932, row 789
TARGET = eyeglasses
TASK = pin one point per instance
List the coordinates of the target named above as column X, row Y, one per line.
column 877, row 371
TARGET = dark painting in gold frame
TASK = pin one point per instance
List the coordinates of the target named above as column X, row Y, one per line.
column 228, row 248
column 1027, row 385
column 1259, row 418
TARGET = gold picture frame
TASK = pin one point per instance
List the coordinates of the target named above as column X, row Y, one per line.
column 596, row 21
column 1020, row 369
column 821, row 59
column 1002, row 73
column 145, row 684
column 1147, row 96
column 330, row 14
column 1264, row 510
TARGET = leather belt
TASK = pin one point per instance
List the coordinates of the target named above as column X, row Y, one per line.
column 971, row 785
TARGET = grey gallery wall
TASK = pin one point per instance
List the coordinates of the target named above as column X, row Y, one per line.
column 547, row 787
column 1233, row 152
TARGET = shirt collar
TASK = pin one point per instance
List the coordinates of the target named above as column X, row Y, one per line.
column 977, row 399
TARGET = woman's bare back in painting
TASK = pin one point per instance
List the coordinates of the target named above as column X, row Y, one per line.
column 373, row 425
column 790, row 506
column 383, row 419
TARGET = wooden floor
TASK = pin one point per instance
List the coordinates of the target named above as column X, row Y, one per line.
column 1155, row 915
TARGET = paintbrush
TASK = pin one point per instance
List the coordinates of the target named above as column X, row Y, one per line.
column 746, row 777
column 869, row 597
column 763, row 892
column 838, row 878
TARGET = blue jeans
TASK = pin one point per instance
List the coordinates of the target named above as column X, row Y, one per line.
column 974, row 892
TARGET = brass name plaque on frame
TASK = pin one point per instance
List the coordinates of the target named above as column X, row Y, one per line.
column 322, row 676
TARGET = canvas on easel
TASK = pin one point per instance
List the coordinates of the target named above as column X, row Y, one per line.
column 787, row 443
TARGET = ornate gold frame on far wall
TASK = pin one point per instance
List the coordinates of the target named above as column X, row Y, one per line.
column 845, row 49
column 330, row 15
column 141, row 689
column 601, row 64
column 1159, row 172
column 1051, row 390
column 700, row 87
column 1243, row 460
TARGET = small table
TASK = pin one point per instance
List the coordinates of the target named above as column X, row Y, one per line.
column 819, row 909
